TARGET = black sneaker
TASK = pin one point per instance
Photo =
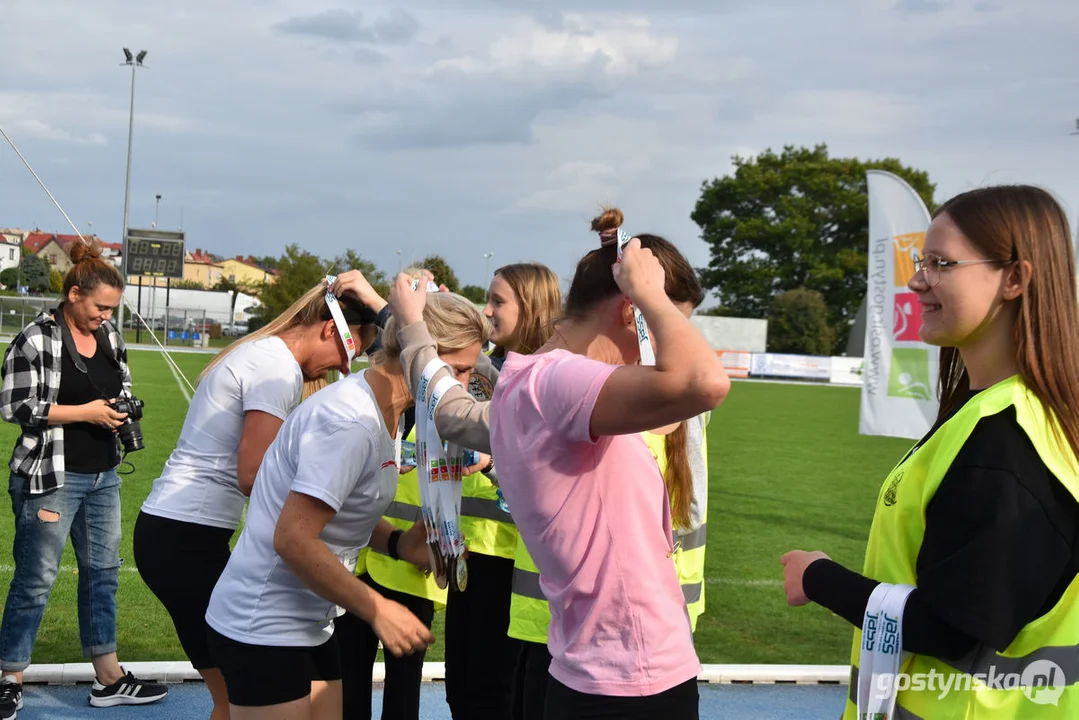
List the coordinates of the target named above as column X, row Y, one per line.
column 10, row 699
column 128, row 690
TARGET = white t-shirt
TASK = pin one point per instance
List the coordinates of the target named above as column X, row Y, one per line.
column 334, row 447
column 198, row 483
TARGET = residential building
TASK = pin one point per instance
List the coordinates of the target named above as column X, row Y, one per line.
column 200, row 267
column 247, row 271
column 11, row 240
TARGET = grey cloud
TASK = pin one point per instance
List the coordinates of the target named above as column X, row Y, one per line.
column 398, row 28
column 367, row 56
column 919, row 7
column 339, row 25
column 550, row 20
column 476, row 114
column 986, row 7
column 347, row 27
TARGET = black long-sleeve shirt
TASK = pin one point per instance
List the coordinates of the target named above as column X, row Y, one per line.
column 1000, row 548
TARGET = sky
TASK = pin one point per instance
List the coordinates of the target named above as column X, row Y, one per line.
column 467, row 127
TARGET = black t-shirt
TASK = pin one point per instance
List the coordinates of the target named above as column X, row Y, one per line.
column 89, row 448
column 999, row 550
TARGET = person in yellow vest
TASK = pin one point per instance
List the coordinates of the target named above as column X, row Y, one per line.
column 401, row 582
column 966, row 606
column 523, row 300
column 687, row 448
column 387, row 574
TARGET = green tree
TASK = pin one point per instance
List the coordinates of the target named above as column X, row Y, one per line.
column 35, row 273
column 9, row 278
column 351, row 260
column 798, row 323
column 444, row 274
column 187, row 285
column 474, row 293
column 56, row 281
column 793, row 220
column 299, row 271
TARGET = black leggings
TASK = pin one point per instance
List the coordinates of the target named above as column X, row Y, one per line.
column 530, row 687
column 678, row 703
column 180, row 562
column 480, row 657
column 359, row 645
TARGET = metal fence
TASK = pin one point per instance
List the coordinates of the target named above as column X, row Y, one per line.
column 173, row 324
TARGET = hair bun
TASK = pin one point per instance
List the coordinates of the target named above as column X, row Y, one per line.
column 81, row 251
column 607, row 225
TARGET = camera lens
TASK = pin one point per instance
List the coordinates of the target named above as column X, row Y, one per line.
column 131, row 436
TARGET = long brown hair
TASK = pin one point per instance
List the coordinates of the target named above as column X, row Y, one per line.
column 539, row 302
column 88, row 271
column 310, row 309
column 594, row 283
column 1017, row 223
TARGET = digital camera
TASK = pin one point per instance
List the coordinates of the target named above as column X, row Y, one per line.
column 130, row 432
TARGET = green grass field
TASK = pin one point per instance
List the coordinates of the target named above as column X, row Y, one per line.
column 787, row 470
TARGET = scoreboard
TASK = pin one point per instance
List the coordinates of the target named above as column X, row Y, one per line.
column 154, row 253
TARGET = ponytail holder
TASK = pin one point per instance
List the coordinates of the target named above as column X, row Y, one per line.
column 607, row 237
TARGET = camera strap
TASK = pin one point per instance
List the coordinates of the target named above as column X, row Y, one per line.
column 68, row 341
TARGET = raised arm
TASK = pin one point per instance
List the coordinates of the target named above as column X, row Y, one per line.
column 688, row 378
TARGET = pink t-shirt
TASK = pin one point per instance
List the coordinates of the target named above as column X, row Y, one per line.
column 595, row 516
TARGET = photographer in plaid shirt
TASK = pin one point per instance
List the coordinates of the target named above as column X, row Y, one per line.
column 63, row 476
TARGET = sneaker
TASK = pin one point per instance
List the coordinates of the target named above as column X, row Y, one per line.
column 10, row 698
column 128, row 690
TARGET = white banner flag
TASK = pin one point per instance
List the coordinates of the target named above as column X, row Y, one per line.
column 899, row 384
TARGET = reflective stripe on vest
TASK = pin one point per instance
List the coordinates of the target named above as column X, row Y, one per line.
column 484, row 509
column 530, row 615
column 1037, row 675
column 526, row 584
column 488, row 529
column 397, row 574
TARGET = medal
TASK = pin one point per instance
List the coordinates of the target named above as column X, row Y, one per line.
column 461, row 574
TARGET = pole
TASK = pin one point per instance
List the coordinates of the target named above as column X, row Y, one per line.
column 168, row 289
column 157, row 207
column 486, row 272
column 127, row 184
column 138, row 325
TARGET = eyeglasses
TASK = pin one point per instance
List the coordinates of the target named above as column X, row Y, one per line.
column 931, row 264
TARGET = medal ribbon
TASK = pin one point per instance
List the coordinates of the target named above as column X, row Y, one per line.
column 882, row 651
column 648, row 356
column 439, row 465
column 339, row 320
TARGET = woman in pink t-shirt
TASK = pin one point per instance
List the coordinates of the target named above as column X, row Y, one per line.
column 587, row 495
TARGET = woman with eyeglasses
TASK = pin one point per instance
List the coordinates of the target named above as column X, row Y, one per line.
column 971, row 567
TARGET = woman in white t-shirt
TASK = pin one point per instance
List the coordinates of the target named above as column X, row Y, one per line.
column 183, row 531
column 324, row 485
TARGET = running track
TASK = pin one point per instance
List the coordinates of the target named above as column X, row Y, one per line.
column 191, row 701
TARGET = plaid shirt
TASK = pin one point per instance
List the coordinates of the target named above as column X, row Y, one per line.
column 30, row 386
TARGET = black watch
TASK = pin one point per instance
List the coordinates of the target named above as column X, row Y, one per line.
column 391, row 543
column 490, row 465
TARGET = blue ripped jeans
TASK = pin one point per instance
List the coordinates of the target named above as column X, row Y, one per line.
column 88, row 506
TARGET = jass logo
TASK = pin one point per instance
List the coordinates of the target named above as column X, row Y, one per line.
column 893, row 488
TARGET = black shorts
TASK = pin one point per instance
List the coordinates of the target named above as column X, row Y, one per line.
column 260, row 675
column 180, row 562
column 679, row 703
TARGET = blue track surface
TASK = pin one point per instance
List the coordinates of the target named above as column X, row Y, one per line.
column 191, row 701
